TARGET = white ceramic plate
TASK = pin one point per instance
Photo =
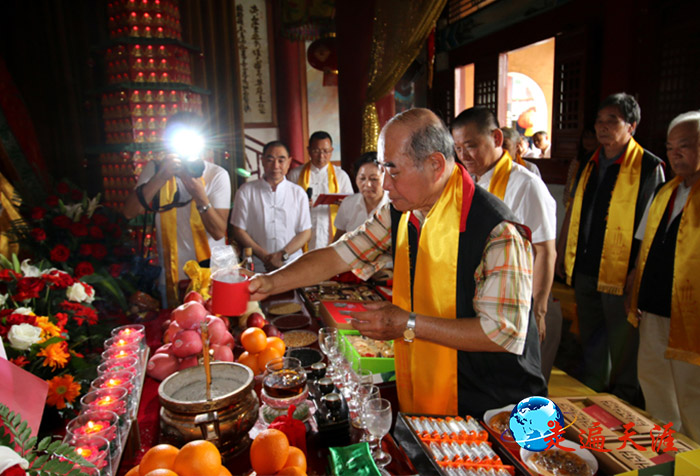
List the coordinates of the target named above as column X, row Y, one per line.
column 488, row 414
column 586, row 455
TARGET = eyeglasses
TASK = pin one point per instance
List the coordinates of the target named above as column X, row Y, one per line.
column 321, row 151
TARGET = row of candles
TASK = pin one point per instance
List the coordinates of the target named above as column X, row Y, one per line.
column 120, row 98
column 165, row 6
column 100, row 430
column 169, row 76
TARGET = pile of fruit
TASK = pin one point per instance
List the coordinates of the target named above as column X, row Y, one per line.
column 271, row 454
column 259, row 349
column 196, row 458
column 183, row 340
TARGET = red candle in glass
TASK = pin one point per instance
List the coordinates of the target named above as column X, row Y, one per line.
column 112, row 399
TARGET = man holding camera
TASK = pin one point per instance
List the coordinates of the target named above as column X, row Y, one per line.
column 190, row 197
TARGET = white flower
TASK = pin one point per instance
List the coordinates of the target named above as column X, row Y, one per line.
column 77, row 293
column 3, row 299
column 92, row 205
column 74, row 211
column 25, row 311
column 28, row 270
column 90, row 291
column 21, row 336
column 9, row 458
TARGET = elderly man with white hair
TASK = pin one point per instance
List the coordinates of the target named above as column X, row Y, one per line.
column 665, row 301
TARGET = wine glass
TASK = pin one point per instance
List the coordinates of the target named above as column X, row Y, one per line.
column 378, row 421
column 323, row 334
column 334, row 345
column 364, row 393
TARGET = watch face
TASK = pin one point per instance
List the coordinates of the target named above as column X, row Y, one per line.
column 409, row 334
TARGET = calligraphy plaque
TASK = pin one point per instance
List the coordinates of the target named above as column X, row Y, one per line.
column 255, row 63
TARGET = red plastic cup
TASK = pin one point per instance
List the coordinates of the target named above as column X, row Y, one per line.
column 227, row 298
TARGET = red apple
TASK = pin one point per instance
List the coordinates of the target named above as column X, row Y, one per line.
column 165, row 349
column 189, row 315
column 193, row 296
column 256, row 320
column 186, row 343
column 229, row 341
column 217, row 330
column 161, row 365
column 188, row 362
column 272, row 331
column 221, row 352
column 207, row 304
column 173, row 329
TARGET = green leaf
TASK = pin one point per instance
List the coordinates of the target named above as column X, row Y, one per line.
column 5, row 262
column 53, row 446
column 15, row 263
column 43, row 444
column 39, row 462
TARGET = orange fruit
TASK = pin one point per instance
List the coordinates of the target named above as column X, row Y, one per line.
column 198, row 458
column 254, row 340
column 133, row 471
column 161, row 472
column 277, row 343
column 224, row 471
column 160, row 456
column 250, row 361
column 291, row 471
column 267, row 355
column 269, row 451
column 296, row 458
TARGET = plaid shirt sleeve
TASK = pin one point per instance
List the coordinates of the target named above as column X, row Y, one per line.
column 368, row 248
column 504, row 287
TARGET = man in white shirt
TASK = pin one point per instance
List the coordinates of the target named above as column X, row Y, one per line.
column 192, row 206
column 543, row 147
column 318, row 177
column 271, row 215
column 479, row 145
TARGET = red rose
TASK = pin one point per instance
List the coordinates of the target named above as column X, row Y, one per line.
column 60, row 253
column 61, row 319
column 38, row 234
column 99, row 219
column 4, row 330
column 58, row 279
column 85, row 249
column 28, row 288
column 115, row 270
column 99, row 250
column 7, row 275
column 52, row 200
column 116, row 231
column 38, row 213
column 62, row 188
column 78, row 229
column 76, row 195
column 96, row 232
column 14, row 319
column 61, row 221
column 83, row 269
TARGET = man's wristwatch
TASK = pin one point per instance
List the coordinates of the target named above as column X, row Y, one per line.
column 409, row 333
column 203, row 209
column 285, row 255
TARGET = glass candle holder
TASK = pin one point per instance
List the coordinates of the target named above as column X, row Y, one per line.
column 129, row 363
column 102, row 423
column 133, row 333
column 95, row 449
column 125, row 379
column 116, row 355
column 119, row 343
column 112, row 399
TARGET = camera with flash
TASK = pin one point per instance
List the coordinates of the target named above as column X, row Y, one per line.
column 187, row 143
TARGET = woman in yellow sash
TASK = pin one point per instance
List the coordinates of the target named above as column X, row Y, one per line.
column 666, row 289
column 596, row 245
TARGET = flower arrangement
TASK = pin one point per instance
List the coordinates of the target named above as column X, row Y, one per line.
column 50, row 328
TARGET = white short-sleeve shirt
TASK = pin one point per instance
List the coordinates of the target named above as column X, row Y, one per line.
column 271, row 217
column 353, row 211
column 217, row 186
column 320, row 215
column 530, row 201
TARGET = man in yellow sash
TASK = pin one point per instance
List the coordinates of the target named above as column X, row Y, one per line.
column 479, row 145
column 192, row 210
column 596, row 245
column 666, row 289
column 511, row 139
column 319, row 176
column 464, row 337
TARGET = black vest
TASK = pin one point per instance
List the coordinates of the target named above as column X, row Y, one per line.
column 486, row 380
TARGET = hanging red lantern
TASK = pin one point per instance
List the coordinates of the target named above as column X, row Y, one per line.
column 323, row 55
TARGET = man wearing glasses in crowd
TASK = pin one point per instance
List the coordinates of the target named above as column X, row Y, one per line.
column 319, row 176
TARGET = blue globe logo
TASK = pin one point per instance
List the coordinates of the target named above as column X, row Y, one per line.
column 529, row 422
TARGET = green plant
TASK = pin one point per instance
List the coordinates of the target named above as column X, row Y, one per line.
column 47, row 458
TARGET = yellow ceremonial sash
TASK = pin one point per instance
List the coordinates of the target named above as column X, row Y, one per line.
column 685, row 293
column 168, row 226
column 303, row 181
column 619, row 229
column 501, row 174
column 519, row 160
column 426, row 373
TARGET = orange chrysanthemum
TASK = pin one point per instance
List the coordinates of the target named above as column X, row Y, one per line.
column 62, row 389
column 55, row 355
column 48, row 328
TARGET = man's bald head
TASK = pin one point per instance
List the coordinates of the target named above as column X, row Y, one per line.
column 428, row 134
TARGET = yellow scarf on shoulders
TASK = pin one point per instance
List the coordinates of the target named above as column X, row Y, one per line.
column 519, row 160
column 619, row 228
column 168, row 226
column 426, row 373
column 501, row 175
column 333, row 187
column 684, row 338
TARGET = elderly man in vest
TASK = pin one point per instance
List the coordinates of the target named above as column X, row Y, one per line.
column 665, row 300
column 464, row 337
column 596, row 245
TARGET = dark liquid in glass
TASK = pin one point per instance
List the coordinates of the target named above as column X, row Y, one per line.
column 284, row 383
